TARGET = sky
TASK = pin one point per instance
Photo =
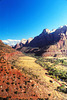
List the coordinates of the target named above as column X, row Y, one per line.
column 27, row 18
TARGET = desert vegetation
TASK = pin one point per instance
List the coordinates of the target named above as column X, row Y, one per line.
column 53, row 71
column 49, row 65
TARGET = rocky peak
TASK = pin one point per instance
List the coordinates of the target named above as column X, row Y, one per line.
column 62, row 29
column 24, row 41
column 53, row 30
column 17, row 46
column 46, row 31
column 30, row 39
column 64, row 26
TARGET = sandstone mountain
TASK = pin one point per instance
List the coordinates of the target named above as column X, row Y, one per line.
column 23, row 42
column 48, row 43
column 48, row 37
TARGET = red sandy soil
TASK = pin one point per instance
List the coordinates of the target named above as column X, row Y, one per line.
column 15, row 85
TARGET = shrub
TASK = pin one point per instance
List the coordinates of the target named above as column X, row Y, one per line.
column 62, row 89
column 51, row 69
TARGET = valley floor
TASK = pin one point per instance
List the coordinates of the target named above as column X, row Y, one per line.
column 46, row 85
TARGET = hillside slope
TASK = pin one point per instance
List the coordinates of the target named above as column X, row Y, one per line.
column 14, row 84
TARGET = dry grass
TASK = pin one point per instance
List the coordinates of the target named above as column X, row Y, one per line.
column 28, row 63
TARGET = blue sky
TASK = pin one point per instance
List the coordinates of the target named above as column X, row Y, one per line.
column 27, row 18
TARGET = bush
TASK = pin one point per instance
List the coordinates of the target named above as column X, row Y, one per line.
column 52, row 70
column 62, row 89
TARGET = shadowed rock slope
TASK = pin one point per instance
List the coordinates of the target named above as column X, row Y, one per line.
column 48, row 43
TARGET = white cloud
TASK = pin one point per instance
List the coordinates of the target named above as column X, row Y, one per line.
column 11, row 42
column 5, row 41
